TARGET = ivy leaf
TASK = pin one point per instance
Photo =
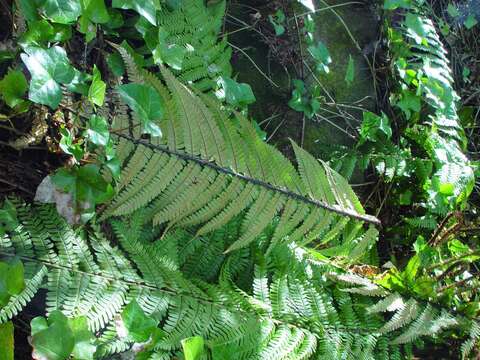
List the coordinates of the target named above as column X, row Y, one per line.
column 85, row 183
column 96, row 92
column 95, row 11
column 52, row 339
column 321, row 55
column 6, row 340
column 193, row 347
column 146, row 103
column 374, row 127
column 147, row 8
column 84, row 347
column 97, row 131
column 12, row 280
column 277, row 20
column 234, row 93
column 48, row 68
column 43, row 31
column 13, row 87
column 470, row 22
column 350, row 73
column 62, row 11
column 68, row 146
column 79, row 83
column 171, row 54
column 29, row 9
column 139, row 326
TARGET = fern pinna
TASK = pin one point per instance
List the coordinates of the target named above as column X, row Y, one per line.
column 246, row 306
column 210, row 167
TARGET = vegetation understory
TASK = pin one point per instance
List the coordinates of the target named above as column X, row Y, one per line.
column 190, row 179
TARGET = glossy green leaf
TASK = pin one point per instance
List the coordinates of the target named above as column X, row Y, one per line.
column 168, row 53
column 12, row 280
column 321, row 55
column 42, row 31
column 193, row 347
column 374, row 127
column 96, row 92
column 84, row 347
column 234, row 93
column 277, row 21
column 48, row 68
column 97, row 130
column 95, row 11
column 13, row 87
column 6, row 341
column 85, row 183
column 138, row 325
column 79, row 83
column 147, row 8
column 52, row 339
column 350, row 73
column 29, row 9
column 62, row 11
column 69, row 146
column 146, row 103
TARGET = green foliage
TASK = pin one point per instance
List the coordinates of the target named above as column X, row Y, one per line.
column 295, row 306
column 48, row 68
column 96, row 92
column 193, row 347
column 321, row 55
column 302, row 100
column 58, row 337
column 13, row 87
column 277, row 20
column 6, row 340
column 233, row 93
column 11, row 280
column 144, row 101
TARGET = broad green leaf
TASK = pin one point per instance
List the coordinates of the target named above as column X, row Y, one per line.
column 147, row 8
column 193, row 347
column 68, row 145
column 95, row 11
column 409, row 102
column 277, row 20
column 62, row 11
column 29, row 9
column 97, row 130
column 84, row 347
column 470, row 21
column 146, row 103
column 452, row 10
column 13, row 87
column 350, row 73
column 235, row 93
column 48, row 68
column 54, row 342
column 321, row 55
column 168, row 53
column 79, row 83
column 12, row 280
column 8, row 217
column 6, row 340
column 139, row 326
column 42, row 31
column 85, row 183
column 15, row 280
column 96, row 92
column 88, row 28
column 374, row 127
